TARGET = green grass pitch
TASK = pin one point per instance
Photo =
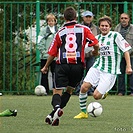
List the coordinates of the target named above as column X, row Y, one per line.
column 117, row 116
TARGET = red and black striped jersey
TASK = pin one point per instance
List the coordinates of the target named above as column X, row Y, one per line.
column 69, row 43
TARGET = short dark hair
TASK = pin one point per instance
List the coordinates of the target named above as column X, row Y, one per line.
column 70, row 14
column 107, row 19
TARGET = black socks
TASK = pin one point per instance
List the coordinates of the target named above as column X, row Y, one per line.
column 60, row 101
column 56, row 101
column 64, row 99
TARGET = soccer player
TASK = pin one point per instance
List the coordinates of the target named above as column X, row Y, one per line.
column 68, row 46
column 103, row 73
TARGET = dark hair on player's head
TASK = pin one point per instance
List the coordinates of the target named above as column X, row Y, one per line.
column 70, row 14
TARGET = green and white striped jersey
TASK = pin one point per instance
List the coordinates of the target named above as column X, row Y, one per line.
column 111, row 48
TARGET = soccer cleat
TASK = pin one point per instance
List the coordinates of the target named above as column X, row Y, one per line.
column 49, row 119
column 104, row 95
column 14, row 112
column 56, row 122
column 81, row 115
column 58, row 113
column 8, row 113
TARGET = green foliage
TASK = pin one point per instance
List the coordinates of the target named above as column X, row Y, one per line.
column 16, row 62
column 18, row 70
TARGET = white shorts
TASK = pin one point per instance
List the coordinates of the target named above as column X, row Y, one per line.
column 101, row 80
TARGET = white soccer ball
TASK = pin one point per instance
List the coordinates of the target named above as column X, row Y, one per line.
column 40, row 90
column 94, row 109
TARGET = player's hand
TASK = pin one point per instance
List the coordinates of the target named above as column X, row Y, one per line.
column 88, row 54
column 44, row 70
column 95, row 53
column 129, row 70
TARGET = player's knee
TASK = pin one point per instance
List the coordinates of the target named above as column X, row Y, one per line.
column 85, row 87
column 96, row 96
column 69, row 90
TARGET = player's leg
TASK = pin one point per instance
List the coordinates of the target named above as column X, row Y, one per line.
column 59, row 101
column 66, row 96
column 75, row 75
column 90, row 79
column 60, row 75
column 83, row 100
column 97, row 95
column 105, row 84
column 53, row 117
column 56, row 103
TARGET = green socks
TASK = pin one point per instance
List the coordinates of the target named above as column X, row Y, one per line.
column 83, row 101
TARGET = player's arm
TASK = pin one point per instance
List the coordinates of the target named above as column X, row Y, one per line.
column 53, row 52
column 49, row 60
column 125, row 47
column 128, row 63
column 93, row 42
column 95, row 52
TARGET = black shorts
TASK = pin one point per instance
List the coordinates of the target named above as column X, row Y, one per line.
column 68, row 75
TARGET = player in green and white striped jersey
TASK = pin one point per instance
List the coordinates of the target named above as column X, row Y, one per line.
column 112, row 46
column 103, row 73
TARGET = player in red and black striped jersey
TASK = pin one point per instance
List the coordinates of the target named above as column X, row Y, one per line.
column 68, row 46
column 69, row 43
